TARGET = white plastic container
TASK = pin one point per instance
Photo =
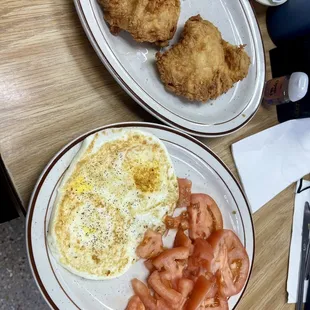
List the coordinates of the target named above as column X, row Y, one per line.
column 289, row 88
column 271, row 2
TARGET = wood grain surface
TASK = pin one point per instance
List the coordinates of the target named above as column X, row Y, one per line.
column 53, row 88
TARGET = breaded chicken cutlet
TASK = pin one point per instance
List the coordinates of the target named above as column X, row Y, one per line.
column 202, row 66
column 152, row 21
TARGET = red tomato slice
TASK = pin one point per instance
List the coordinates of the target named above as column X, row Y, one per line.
column 185, row 286
column 151, row 245
column 177, row 272
column 182, row 240
column 214, row 303
column 149, row 265
column 144, row 294
column 166, row 278
column 167, row 258
column 149, row 301
column 178, row 221
column 199, row 262
column 171, row 278
column 185, row 188
column 203, row 289
column 204, row 216
column 230, row 263
column 135, row 303
column 162, row 305
column 203, row 250
column 193, row 272
column 168, row 294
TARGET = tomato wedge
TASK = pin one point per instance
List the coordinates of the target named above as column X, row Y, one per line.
column 199, row 263
column 149, row 265
column 182, row 240
column 167, row 258
column 149, row 301
column 168, row 294
column 144, row 294
column 204, row 216
column 214, row 303
column 203, row 251
column 185, row 287
column 230, row 262
column 203, row 289
column 171, row 278
column 166, row 278
column 162, row 305
column 151, row 245
column 180, row 221
column 135, row 303
column 185, row 188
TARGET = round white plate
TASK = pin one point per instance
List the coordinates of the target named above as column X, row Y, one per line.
column 133, row 66
column 191, row 159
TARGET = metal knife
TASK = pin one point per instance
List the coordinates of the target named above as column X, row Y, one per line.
column 304, row 248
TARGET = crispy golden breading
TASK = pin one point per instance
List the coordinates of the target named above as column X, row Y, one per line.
column 202, row 65
column 152, row 21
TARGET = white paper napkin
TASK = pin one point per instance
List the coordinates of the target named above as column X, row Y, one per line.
column 295, row 250
column 271, row 160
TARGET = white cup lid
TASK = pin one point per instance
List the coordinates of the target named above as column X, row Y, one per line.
column 271, row 2
column 298, row 86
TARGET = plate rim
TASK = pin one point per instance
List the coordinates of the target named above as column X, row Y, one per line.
column 72, row 143
column 137, row 98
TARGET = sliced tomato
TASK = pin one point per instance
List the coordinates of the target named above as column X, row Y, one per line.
column 203, row 251
column 135, row 303
column 142, row 291
column 151, row 245
column 199, row 262
column 162, row 305
column 193, row 271
column 165, row 275
column 166, row 278
column 171, row 278
column 167, row 258
column 180, row 221
column 182, row 240
column 185, row 286
column 177, row 272
column 168, row 294
column 149, row 265
column 214, row 303
column 204, row 216
column 230, row 262
column 150, row 302
column 202, row 290
column 185, row 189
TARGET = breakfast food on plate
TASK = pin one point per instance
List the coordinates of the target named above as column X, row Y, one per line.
column 116, row 192
column 152, row 21
column 202, row 65
column 113, row 206
column 206, row 265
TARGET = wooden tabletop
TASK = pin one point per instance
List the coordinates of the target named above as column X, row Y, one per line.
column 53, row 88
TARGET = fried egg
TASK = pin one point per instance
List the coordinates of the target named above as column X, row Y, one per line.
column 120, row 183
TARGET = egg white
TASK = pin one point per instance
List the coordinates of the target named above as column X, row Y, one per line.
column 120, row 183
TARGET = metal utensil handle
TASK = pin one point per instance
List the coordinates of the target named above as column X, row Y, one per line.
column 301, row 282
column 304, row 248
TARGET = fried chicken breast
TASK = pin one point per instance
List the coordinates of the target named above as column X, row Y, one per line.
column 202, row 66
column 152, row 21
